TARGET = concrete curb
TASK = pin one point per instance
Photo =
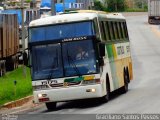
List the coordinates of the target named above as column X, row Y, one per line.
column 17, row 103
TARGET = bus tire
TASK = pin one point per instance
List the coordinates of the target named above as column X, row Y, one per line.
column 126, row 79
column 128, row 75
column 107, row 96
column 51, row 106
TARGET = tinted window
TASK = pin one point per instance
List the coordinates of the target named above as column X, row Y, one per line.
column 79, row 58
column 102, row 26
column 120, row 30
column 125, row 29
column 111, row 30
column 61, row 31
column 47, row 62
column 108, row 34
column 117, row 30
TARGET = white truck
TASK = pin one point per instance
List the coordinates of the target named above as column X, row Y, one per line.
column 153, row 11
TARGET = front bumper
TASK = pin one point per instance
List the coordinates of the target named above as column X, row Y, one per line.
column 70, row 93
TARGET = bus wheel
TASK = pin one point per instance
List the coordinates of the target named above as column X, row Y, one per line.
column 107, row 96
column 126, row 79
column 51, row 106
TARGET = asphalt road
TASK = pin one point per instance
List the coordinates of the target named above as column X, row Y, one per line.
column 144, row 91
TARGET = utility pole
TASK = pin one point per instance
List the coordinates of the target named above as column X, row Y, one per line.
column 63, row 2
column 133, row 4
column 116, row 8
column 142, row 4
column 53, row 8
column 92, row 4
column 23, row 36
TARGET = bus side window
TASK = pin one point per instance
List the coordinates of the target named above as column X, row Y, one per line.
column 107, row 32
column 102, row 30
column 96, row 29
column 120, row 30
column 125, row 29
column 114, row 30
column 111, row 30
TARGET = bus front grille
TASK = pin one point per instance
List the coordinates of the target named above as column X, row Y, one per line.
column 65, row 84
column 43, row 87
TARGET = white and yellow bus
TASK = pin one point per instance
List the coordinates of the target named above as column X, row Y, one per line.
column 57, row 74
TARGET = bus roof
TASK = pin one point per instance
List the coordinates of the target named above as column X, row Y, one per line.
column 74, row 17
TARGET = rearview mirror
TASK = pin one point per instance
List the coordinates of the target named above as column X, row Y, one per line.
column 101, row 62
column 102, row 50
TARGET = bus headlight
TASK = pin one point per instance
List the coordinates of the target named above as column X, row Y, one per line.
column 41, row 95
column 91, row 90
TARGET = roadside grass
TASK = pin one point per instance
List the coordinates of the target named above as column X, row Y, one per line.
column 9, row 91
column 135, row 10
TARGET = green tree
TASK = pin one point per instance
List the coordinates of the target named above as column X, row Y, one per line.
column 1, row 1
column 28, row 1
column 116, row 5
column 99, row 6
column 141, row 3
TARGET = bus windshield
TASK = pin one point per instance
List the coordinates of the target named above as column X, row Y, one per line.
column 79, row 58
column 61, row 31
column 47, row 61
column 76, row 58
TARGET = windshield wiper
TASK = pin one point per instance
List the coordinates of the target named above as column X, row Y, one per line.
column 55, row 62
column 73, row 64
